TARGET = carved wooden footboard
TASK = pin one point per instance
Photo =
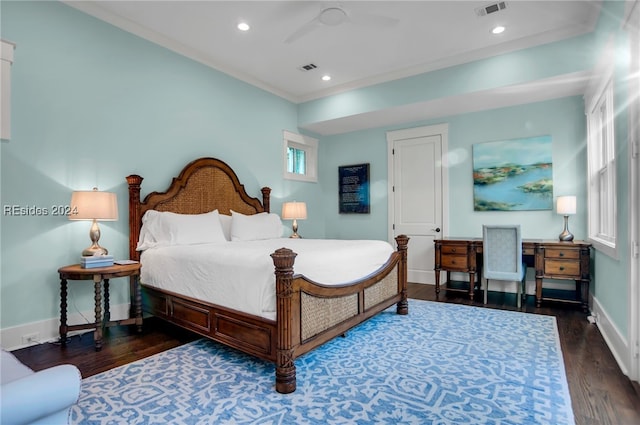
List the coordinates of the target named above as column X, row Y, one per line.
column 307, row 313
column 310, row 314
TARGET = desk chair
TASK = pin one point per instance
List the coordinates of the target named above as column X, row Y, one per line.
column 502, row 257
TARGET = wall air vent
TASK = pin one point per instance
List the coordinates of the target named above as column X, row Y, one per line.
column 307, row 67
column 491, row 8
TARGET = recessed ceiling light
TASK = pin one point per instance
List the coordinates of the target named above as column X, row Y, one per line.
column 326, row 77
column 498, row 29
column 243, row 26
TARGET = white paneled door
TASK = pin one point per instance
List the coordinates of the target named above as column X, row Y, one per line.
column 416, row 197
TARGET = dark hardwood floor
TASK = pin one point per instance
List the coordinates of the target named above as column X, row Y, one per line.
column 600, row 393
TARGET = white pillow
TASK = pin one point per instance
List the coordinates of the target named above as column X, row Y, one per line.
column 167, row 228
column 225, row 222
column 152, row 233
column 255, row 227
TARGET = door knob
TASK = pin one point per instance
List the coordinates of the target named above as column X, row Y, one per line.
column 437, row 230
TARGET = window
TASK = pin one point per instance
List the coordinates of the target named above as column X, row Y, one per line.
column 296, row 160
column 600, row 112
column 300, row 157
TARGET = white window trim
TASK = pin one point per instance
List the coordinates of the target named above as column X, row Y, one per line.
column 6, row 60
column 310, row 146
column 600, row 90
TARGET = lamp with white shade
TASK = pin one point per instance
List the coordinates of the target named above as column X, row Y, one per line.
column 294, row 211
column 566, row 205
column 94, row 205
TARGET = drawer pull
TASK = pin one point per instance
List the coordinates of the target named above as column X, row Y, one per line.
column 453, row 250
column 561, row 268
column 562, row 254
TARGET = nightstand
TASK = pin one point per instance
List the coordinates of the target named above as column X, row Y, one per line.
column 100, row 277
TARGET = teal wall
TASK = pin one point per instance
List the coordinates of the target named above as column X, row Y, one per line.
column 562, row 119
column 359, row 147
column 92, row 104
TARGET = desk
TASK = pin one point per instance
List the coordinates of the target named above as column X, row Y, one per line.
column 551, row 260
column 99, row 275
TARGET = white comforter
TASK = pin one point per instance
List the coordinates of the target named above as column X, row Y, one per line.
column 240, row 275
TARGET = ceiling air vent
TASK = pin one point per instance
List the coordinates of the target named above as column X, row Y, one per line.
column 491, row 8
column 307, row 67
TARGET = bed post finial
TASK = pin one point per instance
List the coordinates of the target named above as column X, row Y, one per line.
column 403, row 305
column 266, row 196
column 283, row 260
column 134, row 181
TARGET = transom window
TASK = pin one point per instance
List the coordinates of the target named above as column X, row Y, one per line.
column 300, row 157
column 296, row 160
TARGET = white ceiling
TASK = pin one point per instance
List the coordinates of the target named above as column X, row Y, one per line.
column 426, row 35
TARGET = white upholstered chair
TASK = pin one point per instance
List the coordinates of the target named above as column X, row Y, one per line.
column 37, row 398
column 502, row 257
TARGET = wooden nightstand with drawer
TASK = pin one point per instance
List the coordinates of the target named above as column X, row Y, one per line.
column 455, row 256
column 564, row 261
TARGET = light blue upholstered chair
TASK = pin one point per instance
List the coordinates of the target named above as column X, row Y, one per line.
column 42, row 398
column 502, row 257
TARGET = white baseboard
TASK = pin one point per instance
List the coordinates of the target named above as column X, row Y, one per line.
column 48, row 330
column 616, row 342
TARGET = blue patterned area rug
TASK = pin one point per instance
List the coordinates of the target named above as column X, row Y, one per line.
column 441, row 364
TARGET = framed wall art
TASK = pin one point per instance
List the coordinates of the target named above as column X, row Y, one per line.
column 353, row 182
column 513, row 175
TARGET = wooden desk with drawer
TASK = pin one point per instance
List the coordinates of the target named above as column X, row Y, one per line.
column 551, row 260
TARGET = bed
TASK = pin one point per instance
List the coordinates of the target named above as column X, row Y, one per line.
column 307, row 313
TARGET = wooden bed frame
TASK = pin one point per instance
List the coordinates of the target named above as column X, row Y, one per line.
column 308, row 313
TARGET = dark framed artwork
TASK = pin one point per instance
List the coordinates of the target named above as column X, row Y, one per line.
column 353, row 182
column 513, row 175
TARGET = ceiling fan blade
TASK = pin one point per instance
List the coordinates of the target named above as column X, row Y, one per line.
column 303, row 30
column 373, row 20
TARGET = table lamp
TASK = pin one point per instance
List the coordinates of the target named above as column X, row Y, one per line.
column 94, row 205
column 566, row 205
column 294, row 211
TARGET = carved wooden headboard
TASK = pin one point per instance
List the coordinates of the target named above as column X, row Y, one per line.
column 203, row 185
